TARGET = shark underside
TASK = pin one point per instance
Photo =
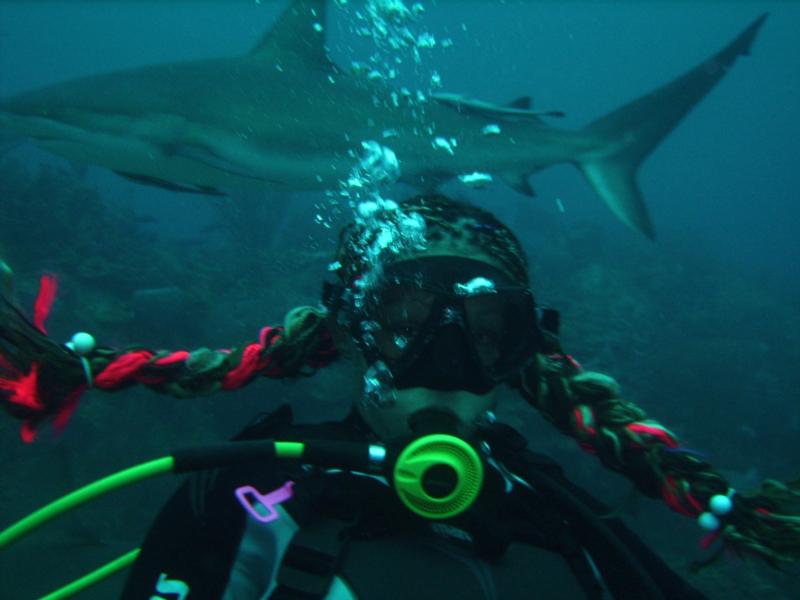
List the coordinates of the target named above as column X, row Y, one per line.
column 285, row 117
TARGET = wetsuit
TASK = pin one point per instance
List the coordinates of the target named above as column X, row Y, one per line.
column 346, row 536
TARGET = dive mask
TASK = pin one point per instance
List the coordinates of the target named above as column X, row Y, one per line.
column 447, row 323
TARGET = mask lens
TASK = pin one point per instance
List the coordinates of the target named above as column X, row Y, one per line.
column 422, row 305
column 502, row 326
column 499, row 326
column 403, row 312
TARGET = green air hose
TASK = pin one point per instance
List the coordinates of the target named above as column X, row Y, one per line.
column 437, row 476
column 94, row 577
column 83, row 495
column 183, row 461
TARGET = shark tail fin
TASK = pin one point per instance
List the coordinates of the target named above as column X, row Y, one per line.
column 634, row 130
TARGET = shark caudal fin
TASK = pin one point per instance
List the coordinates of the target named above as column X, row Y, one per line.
column 632, row 131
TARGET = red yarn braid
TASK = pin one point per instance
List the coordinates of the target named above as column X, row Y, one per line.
column 29, row 395
column 586, row 407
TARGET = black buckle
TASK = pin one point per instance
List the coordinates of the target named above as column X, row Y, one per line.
column 311, row 560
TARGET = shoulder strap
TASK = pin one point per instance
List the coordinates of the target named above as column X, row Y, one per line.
column 509, row 445
column 312, row 560
column 315, row 552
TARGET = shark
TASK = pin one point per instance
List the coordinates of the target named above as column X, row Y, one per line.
column 286, row 117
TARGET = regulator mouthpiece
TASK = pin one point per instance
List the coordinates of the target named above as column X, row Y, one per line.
column 431, row 420
column 438, row 476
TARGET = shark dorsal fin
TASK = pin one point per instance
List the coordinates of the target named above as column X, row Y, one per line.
column 299, row 30
column 519, row 182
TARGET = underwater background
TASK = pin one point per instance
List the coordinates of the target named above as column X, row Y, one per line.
column 700, row 327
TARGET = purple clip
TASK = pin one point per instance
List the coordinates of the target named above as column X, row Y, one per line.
column 250, row 498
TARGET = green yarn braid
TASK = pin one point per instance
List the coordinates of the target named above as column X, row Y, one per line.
column 587, row 406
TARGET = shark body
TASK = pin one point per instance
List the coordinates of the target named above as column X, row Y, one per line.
column 285, row 117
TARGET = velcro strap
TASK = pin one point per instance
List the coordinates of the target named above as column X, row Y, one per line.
column 311, row 560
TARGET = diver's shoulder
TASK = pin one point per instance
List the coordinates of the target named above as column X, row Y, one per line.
column 510, row 447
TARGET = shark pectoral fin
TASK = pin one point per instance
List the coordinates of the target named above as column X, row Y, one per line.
column 521, row 103
column 171, row 185
column 614, row 180
column 299, row 30
column 519, row 183
column 213, row 159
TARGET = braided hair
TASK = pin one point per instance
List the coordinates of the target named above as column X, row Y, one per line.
column 42, row 380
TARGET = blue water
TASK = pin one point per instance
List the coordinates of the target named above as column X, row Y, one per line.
column 725, row 179
column 710, row 348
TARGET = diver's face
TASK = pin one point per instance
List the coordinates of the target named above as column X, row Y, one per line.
column 448, row 329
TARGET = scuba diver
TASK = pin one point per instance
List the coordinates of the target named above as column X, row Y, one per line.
column 464, row 509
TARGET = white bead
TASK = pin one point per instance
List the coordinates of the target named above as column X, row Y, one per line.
column 720, row 505
column 81, row 343
column 708, row 521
